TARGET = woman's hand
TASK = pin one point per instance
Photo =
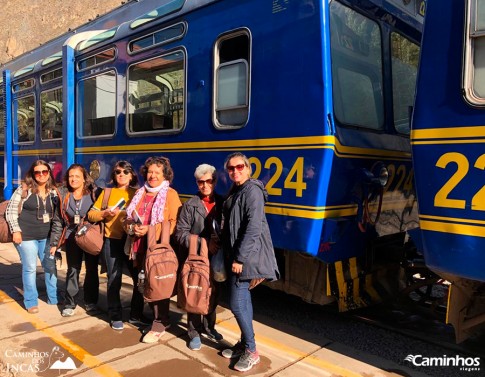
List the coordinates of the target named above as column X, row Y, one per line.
column 53, row 249
column 109, row 213
column 237, row 267
column 17, row 237
column 140, row 230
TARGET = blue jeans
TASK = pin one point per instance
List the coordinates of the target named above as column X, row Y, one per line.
column 242, row 308
column 29, row 251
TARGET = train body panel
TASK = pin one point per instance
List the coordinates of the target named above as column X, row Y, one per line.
column 310, row 91
column 447, row 145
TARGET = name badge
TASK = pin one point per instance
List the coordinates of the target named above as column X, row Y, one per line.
column 77, row 219
column 46, row 218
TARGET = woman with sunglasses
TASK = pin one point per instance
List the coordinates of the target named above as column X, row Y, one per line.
column 30, row 229
column 197, row 217
column 248, row 247
column 152, row 204
column 124, row 181
column 76, row 198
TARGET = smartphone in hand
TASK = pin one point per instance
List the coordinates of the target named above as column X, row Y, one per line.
column 136, row 217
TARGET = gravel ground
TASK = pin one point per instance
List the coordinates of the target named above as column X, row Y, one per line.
column 371, row 339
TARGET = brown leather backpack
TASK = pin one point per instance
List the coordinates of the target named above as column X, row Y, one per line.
column 161, row 266
column 195, row 287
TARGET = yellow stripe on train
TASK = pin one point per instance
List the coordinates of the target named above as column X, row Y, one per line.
column 453, row 228
column 291, row 143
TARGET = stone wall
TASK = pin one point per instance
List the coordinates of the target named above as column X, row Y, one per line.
column 26, row 24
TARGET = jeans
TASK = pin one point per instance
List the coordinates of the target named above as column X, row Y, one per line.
column 74, row 256
column 29, row 251
column 116, row 258
column 242, row 308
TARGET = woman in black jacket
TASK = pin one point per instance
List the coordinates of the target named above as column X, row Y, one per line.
column 197, row 217
column 249, row 249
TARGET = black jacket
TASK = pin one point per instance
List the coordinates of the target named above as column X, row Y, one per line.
column 249, row 236
column 58, row 222
column 193, row 220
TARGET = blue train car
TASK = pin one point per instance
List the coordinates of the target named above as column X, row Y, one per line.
column 447, row 143
column 316, row 93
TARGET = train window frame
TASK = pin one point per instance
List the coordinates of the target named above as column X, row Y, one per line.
column 157, row 121
column 53, row 72
column 343, row 44
column 130, row 44
column 15, row 120
column 97, row 63
column 80, row 124
column 473, row 80
column 48, row 139
column 23, row 85
column 406, row 128
column 237, row 112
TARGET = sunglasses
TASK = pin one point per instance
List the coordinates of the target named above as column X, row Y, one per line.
column 233, row 168
column 124, row 171
column 201, row 182
column 38, row 173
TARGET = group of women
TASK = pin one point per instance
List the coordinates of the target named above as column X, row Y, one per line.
column 43, row 218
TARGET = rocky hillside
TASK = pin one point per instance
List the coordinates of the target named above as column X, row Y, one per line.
column 28, row 23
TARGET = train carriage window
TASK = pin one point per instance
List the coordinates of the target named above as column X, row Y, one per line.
column 166, row 35
column 23, row 85
column 24, row 119
column 96, row 107
column 405, row 55
column 474, row 62
column 232, row 80
column 98, row 59
column 51, row 114
column 51, row 76
column 356, row 47
column 156, row 94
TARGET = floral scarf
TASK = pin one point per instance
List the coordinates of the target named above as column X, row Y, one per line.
column 158, row 205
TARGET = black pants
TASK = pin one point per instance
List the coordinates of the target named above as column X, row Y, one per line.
column 197, row 323
column 74, row 256
column 161, row 311
column 116, row 258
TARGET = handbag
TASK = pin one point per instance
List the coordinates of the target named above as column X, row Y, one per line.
column 218, row 267
column 217, row 262
column 90, row 237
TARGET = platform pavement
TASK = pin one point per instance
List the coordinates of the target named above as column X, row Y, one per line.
column 34, row 344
